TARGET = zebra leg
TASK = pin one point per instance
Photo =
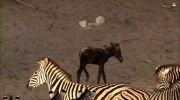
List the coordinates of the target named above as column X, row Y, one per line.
column 87, row 74
column 103, row 75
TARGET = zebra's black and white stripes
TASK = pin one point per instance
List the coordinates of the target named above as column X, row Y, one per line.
column 57, row 79
column 172, row 93
column 166, row 75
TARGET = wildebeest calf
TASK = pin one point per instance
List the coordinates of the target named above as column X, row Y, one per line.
column 98, row 56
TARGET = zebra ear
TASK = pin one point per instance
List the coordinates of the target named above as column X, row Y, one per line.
column 93, row 95
column 79, row 94
column 51, row 94
column 165, row 71
column 38, row 62
column 158, row 67
column 46, row 59
column 63, row 94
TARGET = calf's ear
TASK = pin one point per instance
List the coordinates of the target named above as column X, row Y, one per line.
column 117, row 44
column 112, row 44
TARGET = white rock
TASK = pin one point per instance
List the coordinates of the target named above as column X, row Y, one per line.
column 83, row 23
column 100, row 20
column 174, row 4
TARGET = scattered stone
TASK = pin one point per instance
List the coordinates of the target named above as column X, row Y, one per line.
column 174, row 4
column 100, row 20
column 83, row 23
column 87, row 25
column 168, row 6
column 148, row 61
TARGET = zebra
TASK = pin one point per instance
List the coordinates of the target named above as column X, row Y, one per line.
column 172, row 93
column 74, row 91
column 166, row 75
column 53, row 85
column 98, row 56
column 130, row 93
column 54, row 76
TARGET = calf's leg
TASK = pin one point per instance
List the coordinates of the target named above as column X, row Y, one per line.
column 103, row 74
column 99, row 74
column 81, row 68
column 87, row 74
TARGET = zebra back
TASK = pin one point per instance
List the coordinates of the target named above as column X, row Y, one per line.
column 118, row 92
column 133, row 94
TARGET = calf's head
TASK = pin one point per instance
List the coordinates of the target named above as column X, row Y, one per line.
column 117, row 51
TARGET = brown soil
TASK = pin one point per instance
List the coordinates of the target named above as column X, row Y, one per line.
column 147, row 32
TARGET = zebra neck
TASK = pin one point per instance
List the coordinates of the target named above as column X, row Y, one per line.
column 72, row 90
column 175, row 86
column 58, row 84
column 55, row 77
column 167, row 94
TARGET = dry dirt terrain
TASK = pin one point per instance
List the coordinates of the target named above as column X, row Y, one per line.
column 33, row 29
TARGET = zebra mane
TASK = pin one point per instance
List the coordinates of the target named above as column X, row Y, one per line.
column 59, row 67
column 159, row 68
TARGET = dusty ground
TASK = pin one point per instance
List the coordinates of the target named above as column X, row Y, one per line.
column 49, row 28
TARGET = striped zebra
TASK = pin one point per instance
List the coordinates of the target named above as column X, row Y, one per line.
column 166, row 75
column 50, row 81
column 49, row 72
column 54, row 76
column 172, row 93
column 129, row 93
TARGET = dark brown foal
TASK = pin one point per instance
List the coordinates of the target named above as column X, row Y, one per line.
column 98, row 56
